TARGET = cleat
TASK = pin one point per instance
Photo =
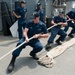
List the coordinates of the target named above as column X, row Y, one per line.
column 58, row 42
column 48, row 46
column 34, row 56
column 71, row 36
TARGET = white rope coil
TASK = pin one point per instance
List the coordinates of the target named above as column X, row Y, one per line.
column 48, row 59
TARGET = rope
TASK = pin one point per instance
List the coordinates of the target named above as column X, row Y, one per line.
column 15, row 48
column 24, row 43
column 58, row 24
column 47, row 60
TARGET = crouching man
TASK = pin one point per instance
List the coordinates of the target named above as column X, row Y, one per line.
column 33, row 29
column 71, row 23
column 60, row 20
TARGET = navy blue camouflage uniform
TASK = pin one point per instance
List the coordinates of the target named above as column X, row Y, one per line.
column 57, row 30
column 42, row 15
column 71, row 15
column 21, row 21
column 34, row 43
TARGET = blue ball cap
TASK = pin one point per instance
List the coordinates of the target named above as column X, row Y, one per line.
column 24, row 2
column 38, row 4
column 35, row 14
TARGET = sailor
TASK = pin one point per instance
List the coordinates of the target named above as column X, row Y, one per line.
column 70, row 16
column 20, row 14
column 41, row 12
column 34, row 28
column 60, row 20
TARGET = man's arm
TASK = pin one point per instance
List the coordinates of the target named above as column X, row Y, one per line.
column 26, row 13
column 17, row 16
column 70, row 19
column 60, row 23
column 67, row 17
column 44, row 35
column 64, row 24
column 25, row 34
column 52, row 22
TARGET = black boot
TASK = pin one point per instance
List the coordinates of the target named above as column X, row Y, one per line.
column 48, row 46
column 34, row 55
column 71, row 36
column 58, row 42
column 11, row 65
